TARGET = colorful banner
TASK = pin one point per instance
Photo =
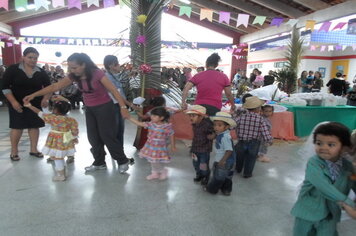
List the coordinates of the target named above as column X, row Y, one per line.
column 58, row 3
column 325, row 26
column 206, row 13
column 242, row 19
column 339, row 25
column 93, row 2
column 20, row 4
column 310, row 25
column 224, row 17
column 185, row 10
column 4, row 4
column 41, row 3
column 109, row 3
column 277, row 21
column 75, row 4
column 259, row 20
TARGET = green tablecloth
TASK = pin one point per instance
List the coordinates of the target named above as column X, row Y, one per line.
column 306, row 117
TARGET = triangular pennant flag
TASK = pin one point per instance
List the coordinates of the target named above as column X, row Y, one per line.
column 259, row 20
column 277, row 21
column 224, row 17
column 312, row 47
column 310, row 25
column 75, row 4
column 58, row 3
column 322, row 49
column 21, row 39
column 109, row 3
column 38, row 40
column 30, row 40
column 62, row 41
column 104, row 42
column 8, row 44
column 354, row 47
column 87, row 42
column 344, row 47
column 95, row 42
column 93, row 2
column 331, row 48
column 339, row 25
column 2, row 44
column 338, row 47
column 325, row 26
column 20, row 4
column 206, row 13
column 41, row 3
column 242, row 19
column 185, row 10
column 79, row 42
column 292, row 22
column 4, row 4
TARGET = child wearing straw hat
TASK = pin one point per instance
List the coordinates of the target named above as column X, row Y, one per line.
column 251, row 128
column 224, row 155
column 203, row 135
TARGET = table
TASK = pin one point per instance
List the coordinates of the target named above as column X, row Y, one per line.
column 307, row 117
column 282, row 126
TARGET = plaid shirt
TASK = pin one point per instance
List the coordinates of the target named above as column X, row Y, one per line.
column 252, row 126
column 201, row 143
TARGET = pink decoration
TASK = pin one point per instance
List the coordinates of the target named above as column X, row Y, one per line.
column 145, row 68
column 58, row 3
column 141, row 39
column 9, row 44
column 339, row 25
column 354, row 47
column 322, row 49
column 224, row 17
column 109, row 3
column 312, row 48
column 325, row 26
column 4, row 4
column 338, row 47
column 61, row 41
column 74, row 4
column 276, row 21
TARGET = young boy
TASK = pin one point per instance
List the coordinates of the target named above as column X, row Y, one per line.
column 266, row 112
column 250, row 129
column 224, row 155
column 202, row 142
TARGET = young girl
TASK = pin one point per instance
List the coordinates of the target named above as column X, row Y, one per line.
column 63, row 135
column 266, row 112
column 224, row 155
column 155, row 149
column 327, row 183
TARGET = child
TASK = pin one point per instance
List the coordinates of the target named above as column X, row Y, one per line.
column 251, row 128
column 155, row 102
column 155, row 149
column 327, row 183
column 267, row 112
column 62, row 137
column 259, row 81
column 202, row 142
column 224, row 155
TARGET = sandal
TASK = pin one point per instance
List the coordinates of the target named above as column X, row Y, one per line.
column 15, row 157
column 36, row 154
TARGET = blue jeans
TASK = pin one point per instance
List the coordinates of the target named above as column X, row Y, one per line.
column 246, row 155
column 202, row 161
column 222, row 177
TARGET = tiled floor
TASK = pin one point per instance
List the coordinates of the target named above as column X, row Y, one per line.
column 108, row 203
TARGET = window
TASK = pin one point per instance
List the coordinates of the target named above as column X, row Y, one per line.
column 253, row 66
column 280, row 64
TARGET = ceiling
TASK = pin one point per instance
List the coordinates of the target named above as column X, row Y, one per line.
column 289, row 9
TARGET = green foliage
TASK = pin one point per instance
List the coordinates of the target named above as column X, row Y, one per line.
column 287, row 79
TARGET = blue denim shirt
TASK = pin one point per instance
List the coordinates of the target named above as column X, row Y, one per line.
column 223, row 144
column 116, row 81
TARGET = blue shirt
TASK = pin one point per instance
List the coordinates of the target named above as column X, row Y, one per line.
column 115, row 80
column 224, row 144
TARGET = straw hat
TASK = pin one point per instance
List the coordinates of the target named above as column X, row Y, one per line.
column 196, row 109
column 224, row 116
column 252, row 102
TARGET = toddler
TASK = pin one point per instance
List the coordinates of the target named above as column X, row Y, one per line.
column 155, row 149
column 327, row 183
column 63, row 135
column 203, row 134
column 266, row 112
column 224, row 155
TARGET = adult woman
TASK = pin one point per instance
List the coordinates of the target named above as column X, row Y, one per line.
column 210, row 84
column 337, row 86
column 317, row 82
column 99, row 112
column 302, row 82
column 19, row 81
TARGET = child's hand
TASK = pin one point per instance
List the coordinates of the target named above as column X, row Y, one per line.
column 27, row 104
column 221, row 163
column 349, row 210
column 211, row 136
column 75, row 141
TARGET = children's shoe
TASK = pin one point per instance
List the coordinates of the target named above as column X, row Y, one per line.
column 153, row 175
column 163, row 175
column 198, row 178
column 49, row 159
column 70, row 159
column 60, row 176
column 263, row 159
column 226, row 193
column 205, row 180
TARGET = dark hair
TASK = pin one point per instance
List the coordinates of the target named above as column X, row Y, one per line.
column 62, row 107
column 110, row 60
column 301, row 75
column 334, row 129
column 30, row 50
column 243, row 99
column 311, row 71
column 80, row 59
column 267, row 106
column 213, row 60
column 161, row 112
column 338, row 74
column 158, row 101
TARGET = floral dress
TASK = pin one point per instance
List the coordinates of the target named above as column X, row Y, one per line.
column 155, row 149
column 59, row 141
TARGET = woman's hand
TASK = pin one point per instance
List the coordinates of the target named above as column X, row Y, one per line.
column 17, row 106
column 125, row 113
column 28, row 98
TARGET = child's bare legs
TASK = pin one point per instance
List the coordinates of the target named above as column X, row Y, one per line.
column 263, row 158
column 59, row 167
column 158, row 172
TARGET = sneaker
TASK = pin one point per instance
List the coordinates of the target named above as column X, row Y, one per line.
column 197, row 178
column 94, row 168
column 49, row 159
column 204, row 180
column 123, row 168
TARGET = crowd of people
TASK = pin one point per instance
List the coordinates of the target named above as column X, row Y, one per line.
column 108, row 94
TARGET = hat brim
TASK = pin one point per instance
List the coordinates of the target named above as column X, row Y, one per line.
column 254, row 105
column 228, row 120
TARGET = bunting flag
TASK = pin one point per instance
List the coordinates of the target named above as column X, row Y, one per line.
column 41, row 3
column 354, row 47
column 4, row 4
column 87, row 42
column 277, row 21
column 339, row 25
column 74, row 4
column 2, row 44
column 259, row 20
column 93, row 2
column 224, row 17
column 104, row 42
column 109, row 3
column 21, row 39
column 62, row 41
column 95, row 42
column 292, row 22
column 344, row 47
column 312, row 47
column 310, row 25
column 58, row 3
column 185, row 10
column 38, row 40
column 325, row 26
column 20, row 4
column 242, row 19
column 70, row 41
column 322, row 49
column 30, row 40
column 206, row 13
column 79, row 42
column 331, row 48
column 338, row 47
